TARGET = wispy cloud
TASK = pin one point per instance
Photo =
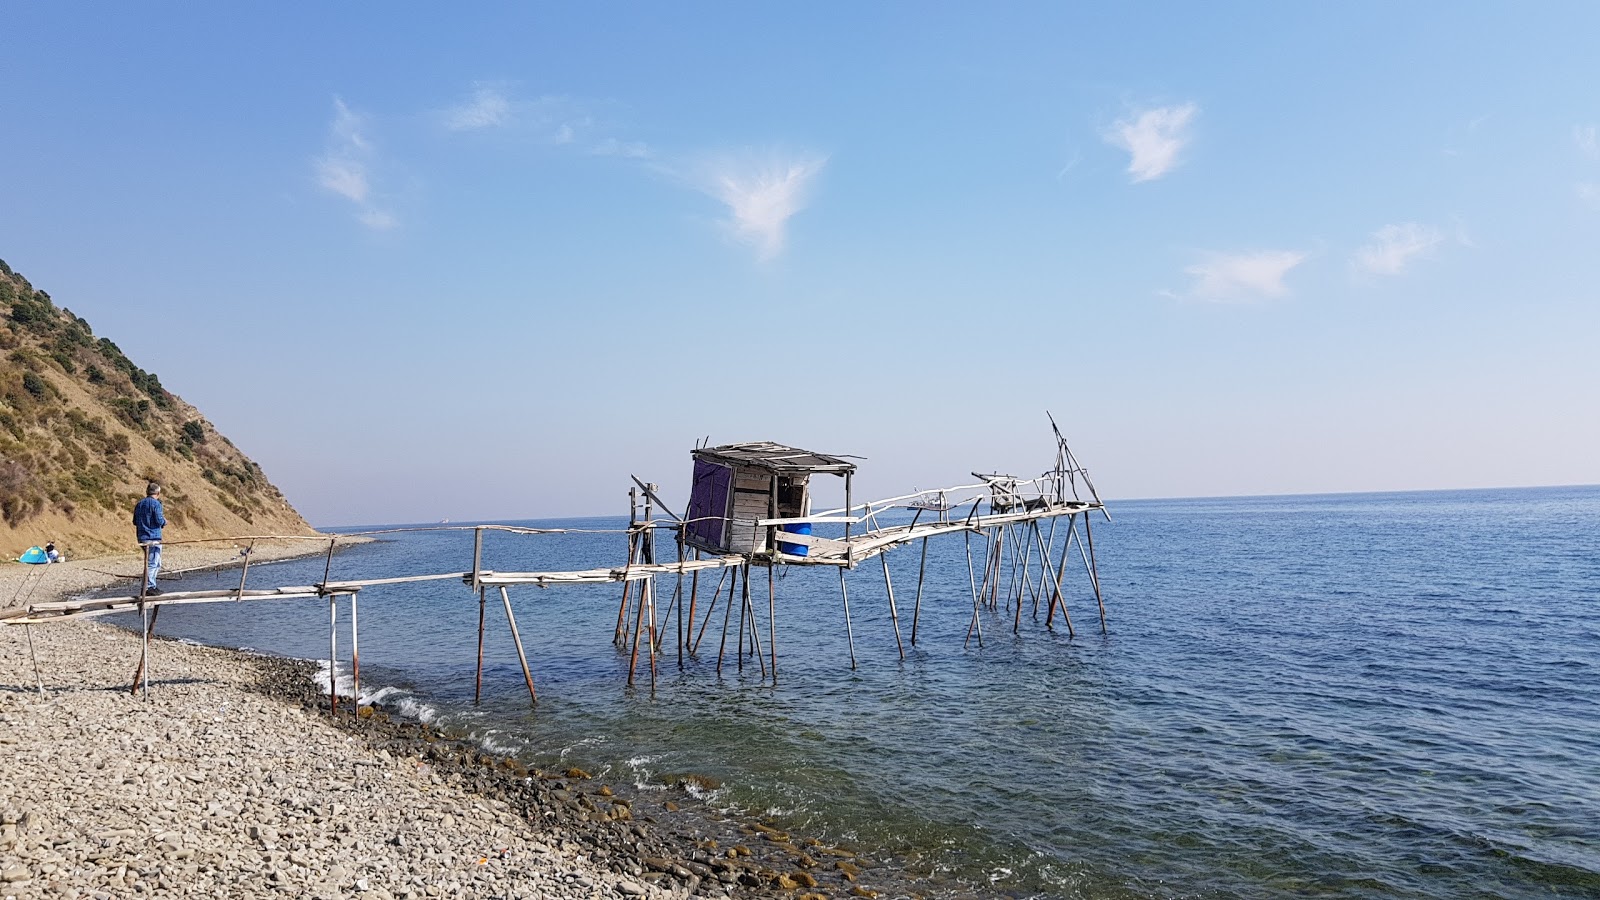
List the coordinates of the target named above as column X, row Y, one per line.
column 343, row 168
column 486, row 108
column 1225, row 277
column 624, row 149
column 1393, row 247
column 1588, row 140
column 1589, row 193
column 1153, row 138
column 761, row 196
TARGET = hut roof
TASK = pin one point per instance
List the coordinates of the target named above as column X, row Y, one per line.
column 775, row 458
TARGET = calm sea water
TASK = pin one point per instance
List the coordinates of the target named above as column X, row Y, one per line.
column 1382, row 695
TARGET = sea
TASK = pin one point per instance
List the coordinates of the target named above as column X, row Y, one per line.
column 1350, row 695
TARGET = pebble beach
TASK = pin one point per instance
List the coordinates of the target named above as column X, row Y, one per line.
column 231, row 779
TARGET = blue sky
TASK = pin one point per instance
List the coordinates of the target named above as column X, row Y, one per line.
column 485, row 264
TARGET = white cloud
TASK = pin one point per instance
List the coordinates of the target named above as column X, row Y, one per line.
column 1588, row 138
column 1394, row 246
column 344, row 165
column 1244, row 276
column 486, row 108
column 1154, row 139
column 1589, row 193
column 762, row 196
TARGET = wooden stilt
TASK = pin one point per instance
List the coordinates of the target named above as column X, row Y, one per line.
column 772, row 621
column 849, row 632
column 1055, row 597
column 638, row 623
column 477, row 690
column 516, row 636
column 695, row 650
column 333, row 647
column 916, row 609
column 894, row 615
column 355, row 657
column 677, row 597
column 621, row 637
column 727, row 615
column 694, row 592
column 972, row 581
column 148, row 630
column 1094, row 574
column 39, row 679
column 755, row 629
column 648, row 598
column 744, row 606
column 245, row 570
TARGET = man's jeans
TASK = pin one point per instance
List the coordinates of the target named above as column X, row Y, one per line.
column 153, row 565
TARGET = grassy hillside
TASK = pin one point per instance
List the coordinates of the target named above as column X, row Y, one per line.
column 82, row 429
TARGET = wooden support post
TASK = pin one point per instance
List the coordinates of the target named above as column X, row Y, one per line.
column 147, row 631
column 1061, row 571
column 638, row 625
column 727, row 615
column 694, row 592
column 677, row 598
column 916, row 609
column 695, row 650
column 333, row 647
column 894, row 615
column 1055, row 596
column 477, row 690
column 1094, row 574
column 999, row 554
column 245, row 571
column 621, row 636
column 38, row 678
column 327, row 567
column 477, row 557
column 849, row 550
column 516, row 636
column 772, row 620
column 849, row 632
column 355, row 657
column 648, row 598
column 972, row 581
column 744, row 606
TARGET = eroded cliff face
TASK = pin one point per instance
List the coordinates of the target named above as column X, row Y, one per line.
column 83, row 429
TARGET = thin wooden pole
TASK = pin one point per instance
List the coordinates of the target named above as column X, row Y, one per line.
column 144, row 647
column 33, row 653
column 677, row 598
column 755, row 630
column 355, row 658
column 148, row 631
column 477, row 691
column 744, row 606
column 638, row 624
column 849, row 632
column 516, row 636
column 1061, row 571
column 727, row 616
column 894, row 615
column 621, row 637
column 648, row 598
column 695, row 650
column 916, row 609
column 333, row 646
column 694, row 592
column 1055, row 580
column 327, row 567
column 1094, row 574
column 477, row 556
column 245, row 570
column 772, row 620
column 972, row 581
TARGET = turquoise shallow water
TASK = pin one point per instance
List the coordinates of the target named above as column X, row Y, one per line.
column 1383, row 695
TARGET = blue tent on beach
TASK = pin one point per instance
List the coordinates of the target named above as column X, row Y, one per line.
column 34, row 555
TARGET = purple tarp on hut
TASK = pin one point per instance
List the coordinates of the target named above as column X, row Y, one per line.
column 708, row 503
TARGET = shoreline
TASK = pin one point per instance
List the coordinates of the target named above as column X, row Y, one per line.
column 233, row 777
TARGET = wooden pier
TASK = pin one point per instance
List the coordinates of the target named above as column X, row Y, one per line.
column 749, row 506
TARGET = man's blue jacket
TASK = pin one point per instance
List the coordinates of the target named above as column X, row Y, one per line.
column 148, row 520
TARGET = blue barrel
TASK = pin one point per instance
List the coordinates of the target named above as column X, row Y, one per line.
column 795, row 549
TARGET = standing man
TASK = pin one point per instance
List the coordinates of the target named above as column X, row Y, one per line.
column 148, row 520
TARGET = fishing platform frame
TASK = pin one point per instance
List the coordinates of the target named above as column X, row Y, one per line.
column 749, row 507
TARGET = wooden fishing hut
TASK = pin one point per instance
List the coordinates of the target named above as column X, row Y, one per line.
column 739, row 489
